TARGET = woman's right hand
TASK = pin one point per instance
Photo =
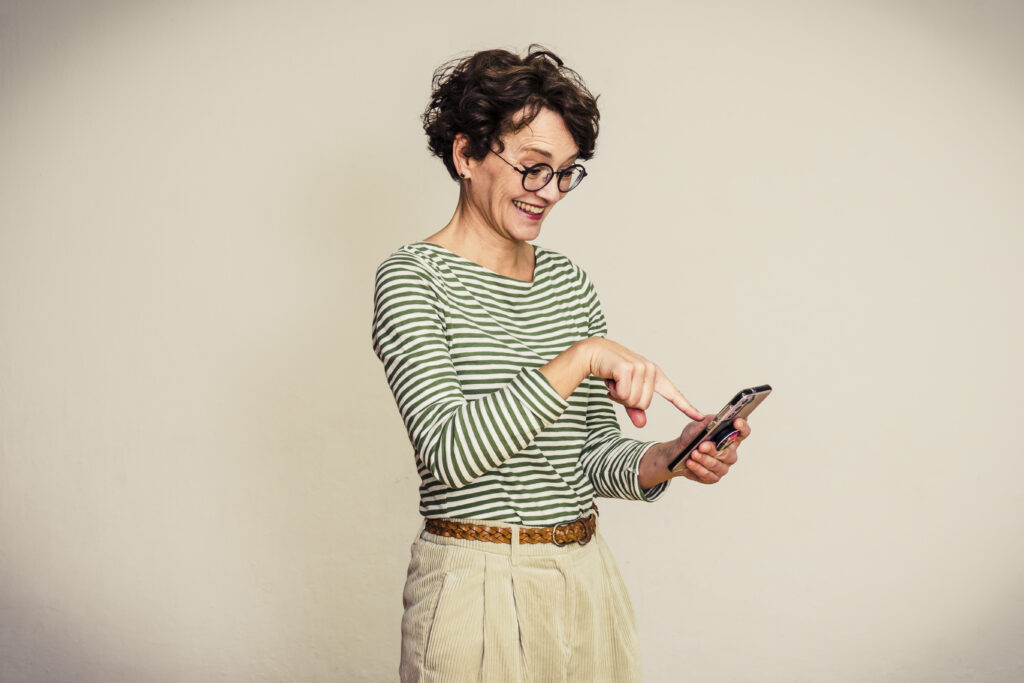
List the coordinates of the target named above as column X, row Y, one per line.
column 632, row 380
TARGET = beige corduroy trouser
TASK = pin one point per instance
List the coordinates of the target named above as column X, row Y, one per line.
column 485, row 612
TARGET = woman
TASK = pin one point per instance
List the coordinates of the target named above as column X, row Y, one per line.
column 496, row 355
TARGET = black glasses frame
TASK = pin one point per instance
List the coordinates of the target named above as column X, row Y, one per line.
column 564, row 173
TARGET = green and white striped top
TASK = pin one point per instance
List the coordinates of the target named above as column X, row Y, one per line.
column 461, row 347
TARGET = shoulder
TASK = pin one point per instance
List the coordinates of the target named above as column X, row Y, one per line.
column 561, row 268
column 409, row 275
column 410, row 259
column 418, row 264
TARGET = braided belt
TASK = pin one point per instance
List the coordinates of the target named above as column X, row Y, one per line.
column 577, row 531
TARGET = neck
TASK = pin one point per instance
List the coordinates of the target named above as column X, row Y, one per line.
column 472, row 238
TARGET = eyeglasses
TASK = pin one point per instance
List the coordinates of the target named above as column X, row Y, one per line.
column 536, row 177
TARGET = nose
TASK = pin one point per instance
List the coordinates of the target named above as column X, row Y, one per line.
column 550, row 191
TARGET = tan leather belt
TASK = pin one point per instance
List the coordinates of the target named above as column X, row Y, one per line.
column 577, row 531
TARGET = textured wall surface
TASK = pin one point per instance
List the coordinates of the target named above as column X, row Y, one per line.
column 203, row 476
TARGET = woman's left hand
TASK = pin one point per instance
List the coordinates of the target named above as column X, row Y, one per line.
column 707, row 466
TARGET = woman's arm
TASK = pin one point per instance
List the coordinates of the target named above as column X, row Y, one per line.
column 457, row 440
column 617, row 466
column 611, row 461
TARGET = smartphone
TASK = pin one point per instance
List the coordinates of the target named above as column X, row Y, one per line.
column 720, row 430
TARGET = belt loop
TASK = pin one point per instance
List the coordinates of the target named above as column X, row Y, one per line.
column 515, row 545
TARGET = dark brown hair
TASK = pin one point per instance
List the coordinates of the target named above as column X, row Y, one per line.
column 480, row 95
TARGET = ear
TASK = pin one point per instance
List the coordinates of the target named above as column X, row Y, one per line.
column 463, row 163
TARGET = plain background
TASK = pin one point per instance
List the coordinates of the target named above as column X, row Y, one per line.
column 204, row 477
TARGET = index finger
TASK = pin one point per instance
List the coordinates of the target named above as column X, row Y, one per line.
column 664, row 387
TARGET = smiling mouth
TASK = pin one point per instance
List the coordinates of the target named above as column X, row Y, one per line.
column 528, row 208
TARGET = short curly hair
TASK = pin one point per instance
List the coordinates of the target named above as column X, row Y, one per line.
column 480, row 95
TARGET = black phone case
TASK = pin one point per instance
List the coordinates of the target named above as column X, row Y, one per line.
column 742, row 404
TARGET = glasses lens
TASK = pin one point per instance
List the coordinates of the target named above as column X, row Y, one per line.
column 571, row 177
column 537, row 177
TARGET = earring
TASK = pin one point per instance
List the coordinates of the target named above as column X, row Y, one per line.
column 462, row 175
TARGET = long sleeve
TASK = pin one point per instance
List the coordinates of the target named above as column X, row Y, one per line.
column 457, row 440
column 610, row 460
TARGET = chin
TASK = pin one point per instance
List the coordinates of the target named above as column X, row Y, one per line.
column 526, row 235
column 527, row 232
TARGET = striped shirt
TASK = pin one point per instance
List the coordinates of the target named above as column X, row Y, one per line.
column 462, row 347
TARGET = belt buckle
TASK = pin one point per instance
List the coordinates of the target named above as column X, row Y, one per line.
column 554, row 534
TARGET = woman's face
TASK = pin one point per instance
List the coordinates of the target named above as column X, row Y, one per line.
column 495, row 192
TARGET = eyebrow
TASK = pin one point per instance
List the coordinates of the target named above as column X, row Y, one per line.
column 537, row 150
column 544, row 153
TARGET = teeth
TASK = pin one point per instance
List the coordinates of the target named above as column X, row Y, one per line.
column 535, row 210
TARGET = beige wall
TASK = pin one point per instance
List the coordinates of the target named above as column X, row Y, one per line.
column 203, row 476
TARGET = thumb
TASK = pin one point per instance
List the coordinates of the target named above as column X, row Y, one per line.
column 637, row 416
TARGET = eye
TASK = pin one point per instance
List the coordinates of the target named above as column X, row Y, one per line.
column 538, row 171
